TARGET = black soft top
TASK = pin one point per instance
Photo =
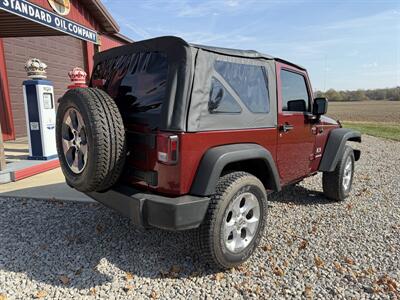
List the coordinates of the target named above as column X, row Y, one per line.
column 175, row 46
column 189, row 82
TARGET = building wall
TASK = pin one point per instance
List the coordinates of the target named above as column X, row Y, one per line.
column 6, row 118
column 60, row 53
column 107, row 43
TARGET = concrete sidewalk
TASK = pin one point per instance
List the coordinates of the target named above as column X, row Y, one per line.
column 48, row 185
column 18, row 166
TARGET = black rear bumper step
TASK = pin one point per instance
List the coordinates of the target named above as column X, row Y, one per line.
column 150, row 210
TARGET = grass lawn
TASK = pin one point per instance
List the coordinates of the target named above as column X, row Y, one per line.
column 384, row 130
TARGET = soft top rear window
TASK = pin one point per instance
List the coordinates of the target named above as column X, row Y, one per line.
column 137, row 82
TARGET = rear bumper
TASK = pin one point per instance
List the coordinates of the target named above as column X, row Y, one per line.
column 149, row 210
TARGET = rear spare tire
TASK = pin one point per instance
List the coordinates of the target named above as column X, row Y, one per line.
column 90, row 139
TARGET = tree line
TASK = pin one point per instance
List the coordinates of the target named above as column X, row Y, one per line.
column 392, row 94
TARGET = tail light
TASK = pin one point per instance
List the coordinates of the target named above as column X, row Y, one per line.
column 167, row 148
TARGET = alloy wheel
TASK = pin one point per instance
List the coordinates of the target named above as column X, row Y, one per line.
column 347, row 173
column 74, row 141
column 241, row 222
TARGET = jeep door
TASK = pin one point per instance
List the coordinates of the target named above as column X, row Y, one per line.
column 295, row 137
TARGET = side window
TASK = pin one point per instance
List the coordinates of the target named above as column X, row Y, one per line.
column 249, row 82
column 294, row 92
column 221, row 101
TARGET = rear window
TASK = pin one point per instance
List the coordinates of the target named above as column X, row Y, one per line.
column 137, row 82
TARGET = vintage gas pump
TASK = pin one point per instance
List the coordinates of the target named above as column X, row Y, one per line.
column 39, row 111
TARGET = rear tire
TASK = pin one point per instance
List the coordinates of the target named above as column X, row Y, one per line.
column 337, row 184
column 235, row 221
column 101, row 135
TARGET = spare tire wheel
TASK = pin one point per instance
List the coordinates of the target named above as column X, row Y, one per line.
column 90, row 139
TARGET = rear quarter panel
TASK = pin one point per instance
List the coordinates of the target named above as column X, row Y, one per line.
column 177, row 180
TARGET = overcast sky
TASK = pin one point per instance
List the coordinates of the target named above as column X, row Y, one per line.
column 343, row 44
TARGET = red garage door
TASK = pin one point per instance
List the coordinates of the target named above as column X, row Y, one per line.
column 60, row 53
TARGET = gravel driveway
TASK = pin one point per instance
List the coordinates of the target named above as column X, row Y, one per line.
column 313, row 248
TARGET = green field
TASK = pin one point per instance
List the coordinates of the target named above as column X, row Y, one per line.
column 385, row 130
column 376, row 118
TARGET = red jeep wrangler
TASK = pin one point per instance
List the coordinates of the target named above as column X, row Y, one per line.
column 181, row 136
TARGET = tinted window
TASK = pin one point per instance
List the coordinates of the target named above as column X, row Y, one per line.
column 221, row 101
column 137, row 82
column 249, row 82
column 294, row 92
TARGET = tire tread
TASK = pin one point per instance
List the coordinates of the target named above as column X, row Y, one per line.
column 332, row 181
column 203, row 236
column 108, row 134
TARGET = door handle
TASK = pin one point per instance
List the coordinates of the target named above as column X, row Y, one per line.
column 286, row 127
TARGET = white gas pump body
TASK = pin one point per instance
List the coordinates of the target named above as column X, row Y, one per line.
column 40, row 115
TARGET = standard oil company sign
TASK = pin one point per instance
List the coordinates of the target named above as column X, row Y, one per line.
column 40, row 15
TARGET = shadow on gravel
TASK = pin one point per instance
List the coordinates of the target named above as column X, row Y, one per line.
column 299, row 195
column 89, row 244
